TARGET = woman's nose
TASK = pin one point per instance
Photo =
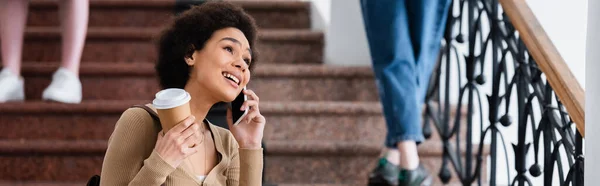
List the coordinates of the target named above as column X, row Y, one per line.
column 241, row 64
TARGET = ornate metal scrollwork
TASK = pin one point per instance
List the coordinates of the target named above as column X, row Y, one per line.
column 478, row 36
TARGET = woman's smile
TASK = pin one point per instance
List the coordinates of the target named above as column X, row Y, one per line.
column 232, row 79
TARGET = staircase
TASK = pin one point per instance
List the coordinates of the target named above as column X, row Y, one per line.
column 325, row 124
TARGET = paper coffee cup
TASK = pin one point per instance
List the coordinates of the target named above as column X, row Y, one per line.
column 172, row 106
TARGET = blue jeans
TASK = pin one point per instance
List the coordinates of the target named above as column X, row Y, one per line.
column 404, row 39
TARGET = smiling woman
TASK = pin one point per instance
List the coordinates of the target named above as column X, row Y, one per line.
column 207, row 51
column 193, row 31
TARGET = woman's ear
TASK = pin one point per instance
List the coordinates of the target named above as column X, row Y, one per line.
column 189, row 56
column 189, row 60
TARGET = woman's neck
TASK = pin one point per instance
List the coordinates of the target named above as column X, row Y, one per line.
column 200, row 103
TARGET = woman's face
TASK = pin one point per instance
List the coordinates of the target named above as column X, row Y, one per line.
column 221, row 67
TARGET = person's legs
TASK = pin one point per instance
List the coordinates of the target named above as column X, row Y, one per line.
column 65, row 86
column 393, row 61
column 386, row 25
column 403, row 50
column 427, row 25
column 74, row 20
column 13, row 15
column 427, row 22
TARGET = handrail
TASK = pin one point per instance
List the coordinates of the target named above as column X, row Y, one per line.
column 548, row 59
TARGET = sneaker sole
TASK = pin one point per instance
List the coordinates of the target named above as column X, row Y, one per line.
column 379, row 184
column 50, row 97
column 12, row 100
column 60, row 101
column 19, row 98
column 427, row 182
column 378, row 181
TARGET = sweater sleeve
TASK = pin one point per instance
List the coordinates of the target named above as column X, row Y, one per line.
column 130, row 157
column 246, row 167
column 251, row 167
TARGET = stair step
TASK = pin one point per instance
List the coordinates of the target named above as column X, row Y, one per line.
column 145, row 13
column 83, row 183
column 280, row 184
column 339, row 162
column 300, row 161
column 50, row 160
column 135, row 44
column 29, row 183
column 95, row 120
column 122, row 81
column 299, row 184
column 358, row 184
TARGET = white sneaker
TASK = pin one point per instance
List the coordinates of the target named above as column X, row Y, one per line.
column 65, row 87
column 11, row 87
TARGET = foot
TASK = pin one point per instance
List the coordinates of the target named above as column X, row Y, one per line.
column 65, row 87
column 12, row 87
column 417, row 177
column 385, row 174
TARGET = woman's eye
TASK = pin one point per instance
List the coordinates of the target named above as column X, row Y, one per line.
column 229, row 49
column 247, row 61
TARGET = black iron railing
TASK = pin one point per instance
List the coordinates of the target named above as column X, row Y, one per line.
column 480, row 43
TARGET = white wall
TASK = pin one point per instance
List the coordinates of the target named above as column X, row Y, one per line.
column 566, row 23
column 345, row 37
column 592, row 100
column 320, row 14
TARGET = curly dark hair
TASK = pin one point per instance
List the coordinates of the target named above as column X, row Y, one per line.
column 189, row 32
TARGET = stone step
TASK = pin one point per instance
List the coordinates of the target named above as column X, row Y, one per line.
column 7, row 183
column 300, row 184
column 122, row 81
column 94, row 120
column 339, row 162
column 137, row 44
column 303, row 161
column 280, row 184
column 155, row 13
column 359, row 184
column 49, row 183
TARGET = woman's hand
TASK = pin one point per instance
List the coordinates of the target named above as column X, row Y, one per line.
column 178, row 143
column 249, row 132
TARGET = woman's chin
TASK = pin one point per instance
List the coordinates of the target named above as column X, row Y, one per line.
column 227, row 94
column 229, row 97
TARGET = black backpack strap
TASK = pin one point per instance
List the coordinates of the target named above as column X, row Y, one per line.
column 94, row 181
column 153, row 114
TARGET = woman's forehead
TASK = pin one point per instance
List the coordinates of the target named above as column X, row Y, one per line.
column 231, row 34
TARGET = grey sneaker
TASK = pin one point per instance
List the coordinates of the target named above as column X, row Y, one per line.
column 417, row 177
column 385, row 174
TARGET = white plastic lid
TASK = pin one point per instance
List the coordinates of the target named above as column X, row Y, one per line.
column 170, row 98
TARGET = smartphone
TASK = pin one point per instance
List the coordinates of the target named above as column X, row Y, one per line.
column 236, row 113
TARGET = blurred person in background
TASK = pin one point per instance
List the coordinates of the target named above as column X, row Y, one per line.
column 65, row 86
column 404, row 39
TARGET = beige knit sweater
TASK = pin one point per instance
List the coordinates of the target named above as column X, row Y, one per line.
column 131, row 160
